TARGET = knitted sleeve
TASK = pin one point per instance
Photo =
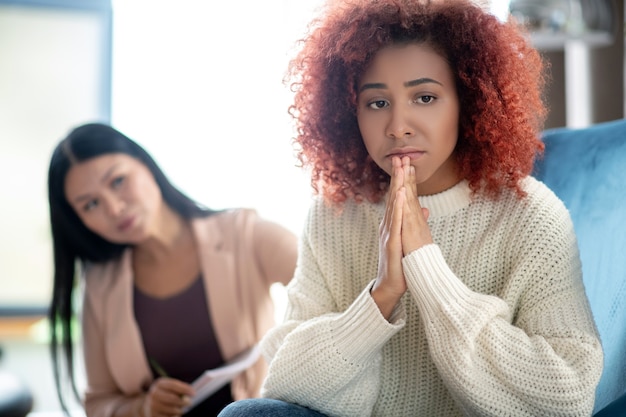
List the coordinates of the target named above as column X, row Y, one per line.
column 542, row 356
column 321, row 358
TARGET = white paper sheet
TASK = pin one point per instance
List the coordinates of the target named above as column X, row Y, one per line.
column 214, row 379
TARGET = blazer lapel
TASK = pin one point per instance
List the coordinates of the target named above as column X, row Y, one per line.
column 218, row 271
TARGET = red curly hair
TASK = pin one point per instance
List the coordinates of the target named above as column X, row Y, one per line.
column 499, row 79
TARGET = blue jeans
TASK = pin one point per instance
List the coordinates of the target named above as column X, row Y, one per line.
column 267, row 407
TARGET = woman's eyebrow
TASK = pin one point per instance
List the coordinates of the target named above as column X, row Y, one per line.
column 419, row 81
column 376, row 86
column 103, row 180
column 412, row 83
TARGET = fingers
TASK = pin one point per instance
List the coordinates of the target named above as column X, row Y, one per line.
column 397, row 178
column 393, row 213
column 410, row 180
column 396, row 214
column 390, row 284
column 415, row 230
column 410, row 185
column 168, row 397
column 395, row 184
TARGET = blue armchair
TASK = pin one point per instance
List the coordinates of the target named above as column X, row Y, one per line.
column 586, row 168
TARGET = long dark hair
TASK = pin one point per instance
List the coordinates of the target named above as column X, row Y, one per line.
column 73, row 243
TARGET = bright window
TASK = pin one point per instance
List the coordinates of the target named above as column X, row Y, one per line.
column 199, row 84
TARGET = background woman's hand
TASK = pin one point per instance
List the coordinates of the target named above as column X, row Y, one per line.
column 166, row 398
column 390, row 285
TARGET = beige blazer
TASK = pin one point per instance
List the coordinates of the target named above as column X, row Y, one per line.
column 241, row 256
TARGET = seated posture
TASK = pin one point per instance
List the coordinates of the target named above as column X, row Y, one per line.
column 170, row 287
column 436, row 276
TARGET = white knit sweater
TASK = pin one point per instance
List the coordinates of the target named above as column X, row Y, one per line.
column 495, row 322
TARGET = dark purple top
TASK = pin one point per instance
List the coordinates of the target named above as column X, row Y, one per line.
column 177, row 333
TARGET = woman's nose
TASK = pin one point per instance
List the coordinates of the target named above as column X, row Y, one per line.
column 114, row 205
column 400, row 123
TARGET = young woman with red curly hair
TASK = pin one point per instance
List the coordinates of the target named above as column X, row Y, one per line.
column 436, row 276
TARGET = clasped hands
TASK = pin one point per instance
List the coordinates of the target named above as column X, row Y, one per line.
column 402, row 230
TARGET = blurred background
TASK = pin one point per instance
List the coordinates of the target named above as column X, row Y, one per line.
column 199, row 84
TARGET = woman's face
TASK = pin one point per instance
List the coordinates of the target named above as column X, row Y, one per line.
column 115, row 196
column 408, row 106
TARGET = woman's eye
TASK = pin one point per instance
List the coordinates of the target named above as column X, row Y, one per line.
column 426, row 99
column 117, row 181
column 378, row 104
column 90, row 205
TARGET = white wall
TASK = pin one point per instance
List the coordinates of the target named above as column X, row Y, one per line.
column 200, row 85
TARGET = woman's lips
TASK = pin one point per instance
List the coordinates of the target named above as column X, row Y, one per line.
column 412, row 154
column 126, row 224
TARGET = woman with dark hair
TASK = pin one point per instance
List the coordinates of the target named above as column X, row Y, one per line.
column 168, row 284
column 436, row 276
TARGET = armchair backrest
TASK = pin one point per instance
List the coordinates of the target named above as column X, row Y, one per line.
column 586, row 168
